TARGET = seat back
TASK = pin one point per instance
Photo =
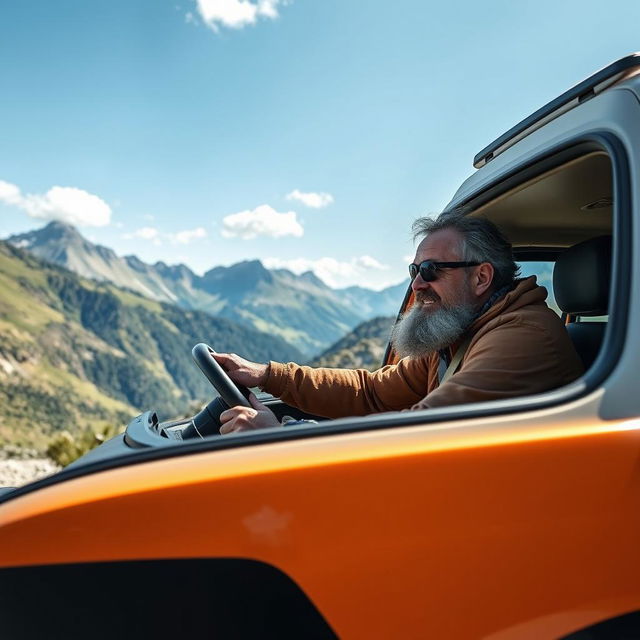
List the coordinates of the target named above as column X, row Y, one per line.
column 581, row 283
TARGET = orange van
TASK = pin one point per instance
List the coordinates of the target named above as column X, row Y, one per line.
column 504, row 520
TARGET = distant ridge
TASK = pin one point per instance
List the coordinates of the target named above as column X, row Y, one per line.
column 302, row 309
column 62, row 244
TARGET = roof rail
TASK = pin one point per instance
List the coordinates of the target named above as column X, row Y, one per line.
column 586, row 89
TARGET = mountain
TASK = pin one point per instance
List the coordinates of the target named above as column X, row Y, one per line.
column 300, row 309
column 373, row 304
column 62, row 244
column 362, row 348
column 76, row 352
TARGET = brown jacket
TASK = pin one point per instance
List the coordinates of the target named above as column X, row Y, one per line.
column 518, row 347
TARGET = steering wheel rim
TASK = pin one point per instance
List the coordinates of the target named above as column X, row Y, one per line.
column 231, row 393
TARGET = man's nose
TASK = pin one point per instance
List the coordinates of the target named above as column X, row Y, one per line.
column 418, row 284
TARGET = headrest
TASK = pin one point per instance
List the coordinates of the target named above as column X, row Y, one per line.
column 581, row 277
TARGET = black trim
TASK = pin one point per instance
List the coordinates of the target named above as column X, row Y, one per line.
column 580, row 92
column 405, row 302
column 624, row 627
column 604, row 364
column 536, row 254
column 622, row 254
column 156, row 599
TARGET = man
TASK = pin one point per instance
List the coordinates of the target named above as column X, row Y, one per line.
column 492, row 333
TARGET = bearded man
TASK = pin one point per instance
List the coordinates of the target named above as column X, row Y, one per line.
column 474, row 333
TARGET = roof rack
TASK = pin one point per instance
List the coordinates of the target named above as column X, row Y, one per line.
column 585, row 90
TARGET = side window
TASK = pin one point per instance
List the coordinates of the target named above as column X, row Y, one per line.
column 592, row 318
column 544, row 273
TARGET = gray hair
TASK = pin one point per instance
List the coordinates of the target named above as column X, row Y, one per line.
column 482, row 242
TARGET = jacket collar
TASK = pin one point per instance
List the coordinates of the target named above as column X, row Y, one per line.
column 523, row 292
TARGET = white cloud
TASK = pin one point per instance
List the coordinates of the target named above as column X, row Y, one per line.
column 185, row 237
column 363, row 270
column 146, row 233
column 311, row 199
column 367, row 262
column 157, row 237
column 66, row 204
column 235, row 14
column 10, row 193
column 261, row 221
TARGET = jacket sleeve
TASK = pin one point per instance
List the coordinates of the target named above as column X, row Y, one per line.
column 515, row 358
column 337, row 393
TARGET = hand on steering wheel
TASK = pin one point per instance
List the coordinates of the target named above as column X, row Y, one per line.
column 232, row 394
column 239, row 419
column 241, row 371
column 240, row 413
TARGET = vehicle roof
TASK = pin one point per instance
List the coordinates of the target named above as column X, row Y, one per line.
column 518, row 142
column 588, row 88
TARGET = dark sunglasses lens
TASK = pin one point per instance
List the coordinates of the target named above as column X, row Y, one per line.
column 428, row 271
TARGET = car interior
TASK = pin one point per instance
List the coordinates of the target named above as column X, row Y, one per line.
column 564, row 217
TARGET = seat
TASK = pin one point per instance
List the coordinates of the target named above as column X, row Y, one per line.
column 581, row 282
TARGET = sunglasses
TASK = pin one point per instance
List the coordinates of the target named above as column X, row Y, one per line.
column 428, row 269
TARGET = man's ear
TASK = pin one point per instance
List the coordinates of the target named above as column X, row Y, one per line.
column 483, row 278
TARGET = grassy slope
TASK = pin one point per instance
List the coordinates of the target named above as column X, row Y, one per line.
column 75, row 353
column 37, row 397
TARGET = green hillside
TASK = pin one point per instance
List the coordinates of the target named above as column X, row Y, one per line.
column 75, row 353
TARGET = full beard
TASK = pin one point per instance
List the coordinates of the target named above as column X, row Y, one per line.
column 420, row 332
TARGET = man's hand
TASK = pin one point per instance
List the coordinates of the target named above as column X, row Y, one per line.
column 248, row 419
column 241, row 371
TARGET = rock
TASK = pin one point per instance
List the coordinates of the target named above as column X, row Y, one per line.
column 14, row 473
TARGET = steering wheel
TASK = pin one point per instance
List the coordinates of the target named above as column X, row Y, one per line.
column 207, row 422
column 229, row 391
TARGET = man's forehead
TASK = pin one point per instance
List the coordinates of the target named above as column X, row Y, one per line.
column 443, row 245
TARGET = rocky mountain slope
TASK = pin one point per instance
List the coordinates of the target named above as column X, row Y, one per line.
column 300, row 309
column 362, row 348
column 75, row 352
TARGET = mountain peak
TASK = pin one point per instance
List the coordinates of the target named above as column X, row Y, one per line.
column 174, row 271
column 312, row 278
column 59, row 224
column 58, row 230
column 55, row 233
column 135, row 262
column 250, row 269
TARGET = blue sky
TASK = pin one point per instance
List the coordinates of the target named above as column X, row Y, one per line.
column 307, row 133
